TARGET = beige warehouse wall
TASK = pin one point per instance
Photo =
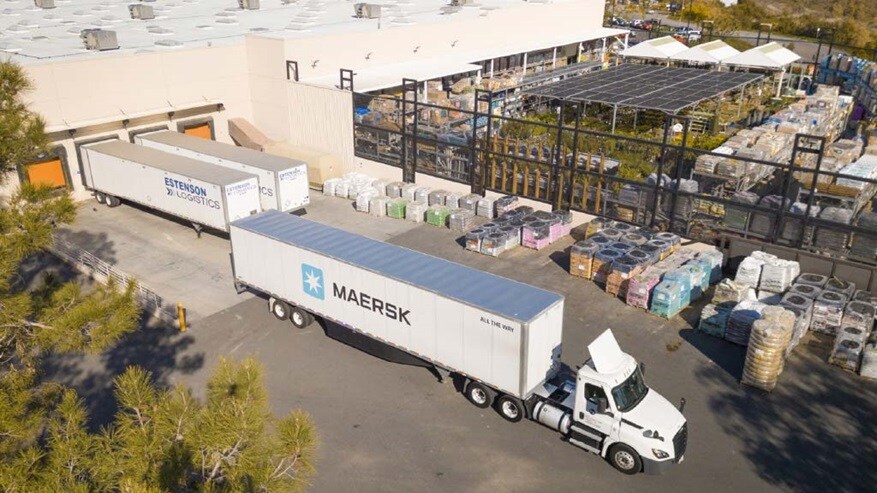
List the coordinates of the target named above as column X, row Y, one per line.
column 266, row 69
column 321, row 118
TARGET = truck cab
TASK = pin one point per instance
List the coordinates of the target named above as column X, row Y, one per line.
column 614, row 414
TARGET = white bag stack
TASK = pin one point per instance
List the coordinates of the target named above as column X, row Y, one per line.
column 409, row 191
column 749, row 271
column 422, row 194
column 740, row 322
column 329, row 186
column 364, row 198
column 416, row 212
column 380, row 186
column 342, row 188
column 377, row 206
column 777, row 275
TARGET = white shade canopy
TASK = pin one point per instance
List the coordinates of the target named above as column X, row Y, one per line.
column 772, row 56
column 714, row 52
column 658, row 49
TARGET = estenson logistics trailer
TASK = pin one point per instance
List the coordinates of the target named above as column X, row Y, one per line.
column 501, row 338
column 202, row 193
column 283, row 182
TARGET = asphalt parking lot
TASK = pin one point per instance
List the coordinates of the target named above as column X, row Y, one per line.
column 387, row 426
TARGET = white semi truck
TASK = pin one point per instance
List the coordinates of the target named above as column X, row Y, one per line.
column 204, row 194
column 501, row 338
column 283, row 182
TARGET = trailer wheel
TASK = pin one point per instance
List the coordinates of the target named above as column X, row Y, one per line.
column 100, row 197
column 625, row 459
column 510, row 408
column 113, row 201
column 300, row 318
column 479, row 394
column 279, row 308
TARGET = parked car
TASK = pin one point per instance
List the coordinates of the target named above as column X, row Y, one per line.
column 618, row 21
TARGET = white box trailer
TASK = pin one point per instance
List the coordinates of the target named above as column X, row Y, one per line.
column 199, row 192
column 502, row 337
column 283, row 182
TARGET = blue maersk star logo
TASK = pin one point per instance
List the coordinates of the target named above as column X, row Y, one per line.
column 312, row 281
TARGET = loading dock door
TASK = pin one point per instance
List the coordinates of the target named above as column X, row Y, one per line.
column 47, row 173
column 202, row 131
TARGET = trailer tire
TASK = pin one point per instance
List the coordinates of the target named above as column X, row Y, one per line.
column 510, row 408
column 100, row 197
column 479, row 395
column 113, row 201
column 300, row 318
column 280, row 309
column 625, row 459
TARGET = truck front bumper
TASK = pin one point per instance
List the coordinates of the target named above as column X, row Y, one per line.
column 651, row 466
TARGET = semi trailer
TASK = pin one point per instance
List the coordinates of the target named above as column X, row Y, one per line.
column 283, row 182
column 204, row 194
column 500, row 338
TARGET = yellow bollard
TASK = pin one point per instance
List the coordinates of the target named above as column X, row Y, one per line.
column 181, row 316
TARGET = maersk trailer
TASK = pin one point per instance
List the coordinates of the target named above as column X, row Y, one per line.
column 283, row 182
column 204, row 194
column 500, row 337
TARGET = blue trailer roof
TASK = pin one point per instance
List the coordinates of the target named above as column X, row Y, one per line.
column 495, row 294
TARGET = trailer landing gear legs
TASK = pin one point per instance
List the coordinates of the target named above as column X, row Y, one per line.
column 198, row 229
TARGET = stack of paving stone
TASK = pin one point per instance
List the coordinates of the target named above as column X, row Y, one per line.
column 868, row 368
column 622, row 270
column 377, row 206
column 396, row 208
column 461, row 219
column 536, row 234
column 380, row 186
column 859, row 314
column 422, row 194
column 505, row 204
column 830, row 239
column 470, row 202
column 738, row 217
column 749, row 270
column 486, row 208
column 793, row 225
column 765, row 355
column 437, row 197
column 394, row 189
column 602, row 263
column 364, row 198
column 863, row 245
column 639, row 289
column 452, row 200
column 437, row 215
column 409, row 192
column 416, row 212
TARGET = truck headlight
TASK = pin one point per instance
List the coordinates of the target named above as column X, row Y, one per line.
column 660, row 453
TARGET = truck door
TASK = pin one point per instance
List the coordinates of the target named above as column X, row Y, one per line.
column 597, row 412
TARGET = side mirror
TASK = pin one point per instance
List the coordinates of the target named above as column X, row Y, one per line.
column 642, row 368
column 602, row 405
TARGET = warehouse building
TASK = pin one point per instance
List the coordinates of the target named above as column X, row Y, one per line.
column 109, row 70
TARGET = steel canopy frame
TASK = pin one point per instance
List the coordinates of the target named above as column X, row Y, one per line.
column 651, row 87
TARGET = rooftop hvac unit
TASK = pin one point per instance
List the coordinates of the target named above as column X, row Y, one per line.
column 142, row 12
column 249, row 4
column 44, row 4
column 99, row 39
column 461, row 3
column 367, row 10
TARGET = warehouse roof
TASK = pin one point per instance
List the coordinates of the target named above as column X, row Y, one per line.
column 658, row 48
column 391, row 75
column 713, row 52
column 494, row 294
column 646, row 86
column 233, row 153
column 32, row 33
column 771, row 56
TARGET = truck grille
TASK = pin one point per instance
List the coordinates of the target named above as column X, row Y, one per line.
column 680, row 441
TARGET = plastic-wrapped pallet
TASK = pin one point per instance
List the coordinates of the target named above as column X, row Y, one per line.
column 634, row 239
column 536, row 235
column 555, row 228
column 749, row 270
column 342, row 188
column 358, row 183
column 329, row 186
column 416, row 212
column 452, row 200
column 673, row 239
column 828, row 312
column 473, row 239
column 802, row 325
column 865, row 245
column 505, row 204
column 805, row 290
column 859, row 314
column 485, row 208
column 738, row 217
column 840, row 286
column 437, row 215
column 868, row 368
column 702, row 274
column 461, row 219
column 765, row 355
column 682, row 277
column 396, row 208
column 642, row 257
column 662, row 246
column 713, row 321
column 715, row 259
column 639, row 289
column 409, row 192
column 812, row 280
column 513, row 236
column 377, row 206
column 602, row 263
column 438, row 197
column 667, row 299
column 848, row 346
column 740, row 322
column 421, row 194
column 380, row 186
column 777, row 275
column 394, row 189
column 521, row 211
column 866, row 297
column 623, row 268
column 769, row 297
column 613, row 234
column 565, row 218
column 470, row 201
column 729, row 292
column 494, row 243
column 596, row 226
column 620, row 245
column 581, row 258
column 696, row 275
column 793, row 226
column 833, row 239
column 364, row 199
column 763, row 223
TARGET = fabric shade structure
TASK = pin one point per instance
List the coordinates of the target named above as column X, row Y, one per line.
column 712, row 53
column 773, row 56
column 655, row 49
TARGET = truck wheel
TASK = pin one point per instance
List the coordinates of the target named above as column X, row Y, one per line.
column 479, row 395
column 510, row 408
column 300, row 318
column 113, row 201
column 625, row 459
column 280, row 309
column 100, row 197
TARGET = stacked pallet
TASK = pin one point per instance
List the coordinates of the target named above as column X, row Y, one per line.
column 416, row 212
column 581, row 259
column 437, row 215
column 765, row 354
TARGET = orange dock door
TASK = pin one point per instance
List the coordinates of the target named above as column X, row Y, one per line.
column 47, row 173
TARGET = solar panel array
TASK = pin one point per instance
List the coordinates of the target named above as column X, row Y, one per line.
column 651, row 87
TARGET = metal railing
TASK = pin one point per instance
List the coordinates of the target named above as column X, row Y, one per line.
column 99, row 270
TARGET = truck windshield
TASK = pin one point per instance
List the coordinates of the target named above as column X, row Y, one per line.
column 630, row 392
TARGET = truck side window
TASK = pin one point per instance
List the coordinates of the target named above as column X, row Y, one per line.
column 593, row 392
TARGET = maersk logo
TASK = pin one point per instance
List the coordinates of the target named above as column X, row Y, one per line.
column 312, row 281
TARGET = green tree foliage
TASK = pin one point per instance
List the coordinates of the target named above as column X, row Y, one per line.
column 21, row 131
